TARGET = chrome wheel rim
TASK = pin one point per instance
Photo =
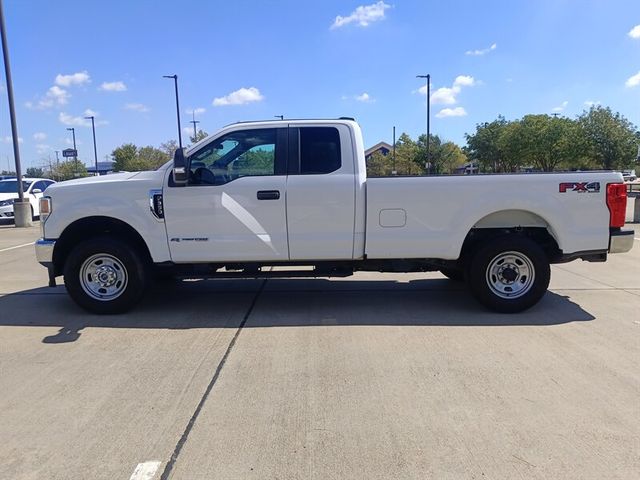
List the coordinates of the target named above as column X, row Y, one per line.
column 510, row 275
column 103, row 277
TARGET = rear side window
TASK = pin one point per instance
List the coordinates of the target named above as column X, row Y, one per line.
column 319, row 150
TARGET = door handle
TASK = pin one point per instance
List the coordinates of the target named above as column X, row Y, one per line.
column 268, row 195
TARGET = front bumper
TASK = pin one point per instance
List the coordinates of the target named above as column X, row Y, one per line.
column 44, row 251
column 6, row 211
column 621, row 241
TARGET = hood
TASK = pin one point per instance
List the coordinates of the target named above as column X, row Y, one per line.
column 7, row 196
column 106, row 181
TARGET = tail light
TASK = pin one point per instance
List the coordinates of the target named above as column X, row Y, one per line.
column 617, row 204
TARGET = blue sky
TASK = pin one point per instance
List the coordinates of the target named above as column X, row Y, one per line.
column 308, row 59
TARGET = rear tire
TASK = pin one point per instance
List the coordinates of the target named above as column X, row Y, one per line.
column 105, row 276
column 509, row 274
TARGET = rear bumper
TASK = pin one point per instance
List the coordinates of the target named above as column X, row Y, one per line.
column 44, row 251
column 621, row 241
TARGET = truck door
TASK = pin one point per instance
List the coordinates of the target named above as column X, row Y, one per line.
column 233, row 208
column 320, row 192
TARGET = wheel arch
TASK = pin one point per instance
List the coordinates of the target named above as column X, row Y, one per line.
column 514, row 222
column 90, row 227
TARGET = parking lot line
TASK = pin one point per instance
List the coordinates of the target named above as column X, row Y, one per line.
column 145, row 471
column 17, row 246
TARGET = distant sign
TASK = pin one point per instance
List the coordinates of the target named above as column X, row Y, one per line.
column 69, row 152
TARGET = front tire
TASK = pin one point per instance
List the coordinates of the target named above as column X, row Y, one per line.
column 509, row 274
column 105, row 276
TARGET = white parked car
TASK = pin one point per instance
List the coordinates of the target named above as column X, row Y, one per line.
column 33, row 190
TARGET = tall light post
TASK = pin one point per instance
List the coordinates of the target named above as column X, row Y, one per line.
column 281, row 117
column 195, row 123
column 175, row 81
column 75, row 157
column 21, row 209
column 95, row 149
column 428, row 77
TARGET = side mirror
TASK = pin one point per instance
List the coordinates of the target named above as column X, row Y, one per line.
column 36, row 190
column 180, row 170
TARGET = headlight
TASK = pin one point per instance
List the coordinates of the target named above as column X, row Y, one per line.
column 4, row 203
column 45, row 208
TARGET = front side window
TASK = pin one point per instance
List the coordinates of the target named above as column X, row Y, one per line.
column 237, row 154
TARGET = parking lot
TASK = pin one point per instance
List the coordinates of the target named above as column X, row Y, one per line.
column 373, row 376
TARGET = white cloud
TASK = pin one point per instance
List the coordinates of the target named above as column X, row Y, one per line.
column 634, row 32
column 9, row 139
column 55, row 97
column 464, row 81
column 39, row 136
column 136, row 107
column 633, row 81
column 80, row 121
column 444, row 95
column 591, row 103
column 452, row 112
column 79, row 78
column 239, row 97
column 483, row 51
column 42, row 148
column 447, row 95
column 72, row 121
column 560, row 107
column 364, row 98
column 69, row 141
column 113, row 86
column 362, row 15
column 197, row 111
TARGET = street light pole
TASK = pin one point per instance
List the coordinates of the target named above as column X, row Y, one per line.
column 75, row 157
column 195, row 122
column 95, row 149
column 281, row 117
column 428, row 77
column 175, row 80
column 20, row 218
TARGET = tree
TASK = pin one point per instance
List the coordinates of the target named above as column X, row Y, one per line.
column 484, row 146
column 35, row 172
column 169, row 147
column 124, row 157
column 130, row 158
column 68, row 170
column 200, row 135
column 611, row 139
column 150, row 158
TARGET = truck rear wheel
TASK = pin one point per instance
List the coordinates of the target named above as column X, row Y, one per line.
column 509, row 274
column 105, row 276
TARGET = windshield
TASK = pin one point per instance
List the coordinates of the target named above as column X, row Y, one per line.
column 11, row 186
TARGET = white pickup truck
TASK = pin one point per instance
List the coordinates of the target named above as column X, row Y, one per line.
column 291, row 193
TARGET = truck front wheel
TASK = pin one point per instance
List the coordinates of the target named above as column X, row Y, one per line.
column 105, row 276
column 509, row 274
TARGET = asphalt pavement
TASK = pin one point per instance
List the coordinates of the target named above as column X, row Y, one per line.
column 376, row 376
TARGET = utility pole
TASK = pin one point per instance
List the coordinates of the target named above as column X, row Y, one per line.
column 428, row 77
column 57, row 165
column 175, row 81
column 95, row 150
column 21, row 209
column 75, row 157
column 394, row 171
column 195, row 130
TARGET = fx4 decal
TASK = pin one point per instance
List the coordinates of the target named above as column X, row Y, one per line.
column 581, row 187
